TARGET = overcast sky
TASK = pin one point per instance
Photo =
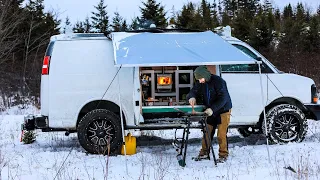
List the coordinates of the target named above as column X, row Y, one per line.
column 79, row 9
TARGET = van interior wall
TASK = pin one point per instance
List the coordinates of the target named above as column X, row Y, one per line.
column 166, row 86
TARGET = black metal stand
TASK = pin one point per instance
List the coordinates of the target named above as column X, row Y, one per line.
column 182, row 150
column 204, row 126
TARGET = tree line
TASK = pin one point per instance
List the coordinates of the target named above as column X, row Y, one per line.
column 289, row 38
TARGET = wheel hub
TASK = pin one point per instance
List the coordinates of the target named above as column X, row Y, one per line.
column 100, row 132
column 286, row 127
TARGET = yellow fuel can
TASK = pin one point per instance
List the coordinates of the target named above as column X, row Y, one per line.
column 130, row 143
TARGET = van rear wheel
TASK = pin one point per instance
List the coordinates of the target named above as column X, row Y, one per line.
column 285, row 123
column 100, row 131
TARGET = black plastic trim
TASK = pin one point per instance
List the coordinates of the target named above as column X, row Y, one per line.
column 315, row 110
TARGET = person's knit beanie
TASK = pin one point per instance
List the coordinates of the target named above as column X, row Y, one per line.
column 202, row 72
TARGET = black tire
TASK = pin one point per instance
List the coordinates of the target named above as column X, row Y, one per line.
column 98, row 127
column 248, row 131
column 285, row 123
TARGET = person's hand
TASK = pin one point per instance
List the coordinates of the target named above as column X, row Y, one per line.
column 208, row 111
column 192, row 101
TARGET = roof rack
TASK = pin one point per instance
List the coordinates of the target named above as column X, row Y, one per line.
column 163, row 30
column 157, row 30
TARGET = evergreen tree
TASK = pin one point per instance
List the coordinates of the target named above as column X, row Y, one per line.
column 288, row 30
column 312, row 38
column 124, row 25
column 67, row 25
column 261, row 34
column 135, row 24
column 230, row 7
column 214, row 15
column 100, row 19
column 117, row 22
column 78, row 27
column 154, row 12
column 173, row 17
column 225, row 19
column 267, row 6
column 220, row 8
column 186, row 17
column 287, row 12
column 197, row 20
column 277, row 19
column 87, row 26
column 242, row 25
column 206, row 15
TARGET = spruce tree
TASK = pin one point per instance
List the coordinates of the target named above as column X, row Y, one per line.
column 214, row 15
column 135, row 24
column 173, row 17
column 78, row 27
column 241, row 25
column 186, row 17
column 220, row 7
column 117, row 22
column 206, row 15
column 67, row 25
column 312, row 39
column 277, row 19
column 124, row 25
column 197, row 22
column 225, row 19
column 100, row 19
column 153, row 12
column 87, row 26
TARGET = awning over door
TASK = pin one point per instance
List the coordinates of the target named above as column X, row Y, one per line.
column 175, row 49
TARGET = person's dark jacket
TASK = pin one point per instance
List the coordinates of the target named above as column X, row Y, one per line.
column 215, row 96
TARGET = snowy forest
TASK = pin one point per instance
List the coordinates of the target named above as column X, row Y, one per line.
column 289, row 38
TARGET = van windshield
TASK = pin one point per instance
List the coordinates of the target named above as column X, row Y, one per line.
column 251, row 54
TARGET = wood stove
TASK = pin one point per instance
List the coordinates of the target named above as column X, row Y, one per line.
column 164, row 81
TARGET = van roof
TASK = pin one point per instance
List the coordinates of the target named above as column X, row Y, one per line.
column 223, row 32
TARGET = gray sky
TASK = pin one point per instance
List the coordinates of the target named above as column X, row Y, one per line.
column 79, row 9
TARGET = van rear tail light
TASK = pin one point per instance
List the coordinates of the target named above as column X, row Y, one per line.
column 314, row 94
column 45, row 66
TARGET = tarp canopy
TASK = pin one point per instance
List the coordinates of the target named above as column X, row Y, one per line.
column 175, row 49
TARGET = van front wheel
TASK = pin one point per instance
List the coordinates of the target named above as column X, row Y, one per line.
column 285, row 123
column 100, row 131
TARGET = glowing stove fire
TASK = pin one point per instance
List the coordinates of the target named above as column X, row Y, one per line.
column 164, row 81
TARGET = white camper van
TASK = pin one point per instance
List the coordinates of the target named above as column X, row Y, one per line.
column 88, row 79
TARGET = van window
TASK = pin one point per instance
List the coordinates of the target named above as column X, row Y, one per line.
column 245, row 68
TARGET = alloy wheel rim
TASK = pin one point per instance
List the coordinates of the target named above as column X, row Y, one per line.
column 287, row 127
column 100, row 132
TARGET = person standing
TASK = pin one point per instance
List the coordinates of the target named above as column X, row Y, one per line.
column 217, row 101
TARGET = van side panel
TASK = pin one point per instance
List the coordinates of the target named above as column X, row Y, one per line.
column 81, row 71
column 44, row 90
column 44, row 95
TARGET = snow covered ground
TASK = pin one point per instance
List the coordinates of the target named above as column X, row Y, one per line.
column 56, row 156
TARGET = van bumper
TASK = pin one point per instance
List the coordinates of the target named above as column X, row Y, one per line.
column 32, row 122
column 314, row 111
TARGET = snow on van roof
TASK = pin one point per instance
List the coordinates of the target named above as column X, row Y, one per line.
column 72, row 36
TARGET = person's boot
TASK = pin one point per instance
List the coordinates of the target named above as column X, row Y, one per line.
column 204, row 154
column 222, row 159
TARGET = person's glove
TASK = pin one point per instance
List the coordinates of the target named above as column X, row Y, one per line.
column 208, row 111
column 192, row 101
